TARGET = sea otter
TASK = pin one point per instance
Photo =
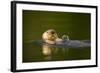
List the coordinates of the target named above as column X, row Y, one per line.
column 51, row 37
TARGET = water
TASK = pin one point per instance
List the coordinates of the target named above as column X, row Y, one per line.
column 76, row 25
column 37, row 52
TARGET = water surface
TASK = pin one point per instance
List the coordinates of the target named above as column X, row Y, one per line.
column 34, row 52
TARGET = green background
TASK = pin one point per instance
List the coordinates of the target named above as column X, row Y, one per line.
column 75, row 25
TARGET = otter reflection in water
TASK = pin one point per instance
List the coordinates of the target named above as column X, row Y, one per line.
column 50, row 51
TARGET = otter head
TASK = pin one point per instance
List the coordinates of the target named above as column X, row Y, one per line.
column 50, row 35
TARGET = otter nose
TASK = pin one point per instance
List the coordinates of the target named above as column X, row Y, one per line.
column 52, row 32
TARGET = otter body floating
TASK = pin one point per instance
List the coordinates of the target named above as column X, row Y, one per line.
column 66, row 43
column 50, row 37
column 72, row 43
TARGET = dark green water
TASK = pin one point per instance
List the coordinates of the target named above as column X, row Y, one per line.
column 75, row 25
